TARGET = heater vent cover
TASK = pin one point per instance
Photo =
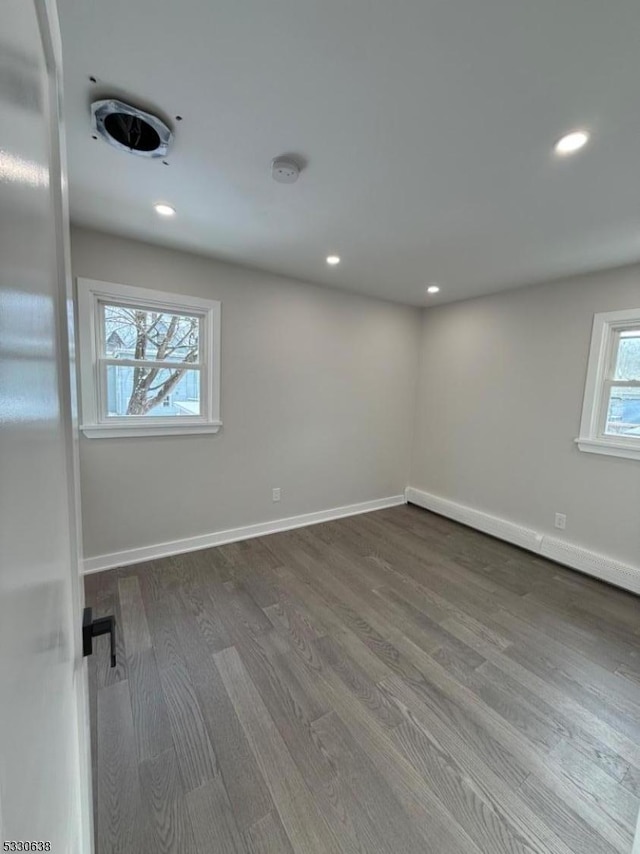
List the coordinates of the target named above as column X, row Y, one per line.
column 130, row 129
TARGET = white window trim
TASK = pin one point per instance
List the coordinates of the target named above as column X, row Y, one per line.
column 90, row 293
column 592, row 438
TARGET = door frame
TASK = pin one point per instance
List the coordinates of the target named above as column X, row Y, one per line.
column 47, row 15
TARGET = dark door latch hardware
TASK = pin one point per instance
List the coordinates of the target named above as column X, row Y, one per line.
column 93, row 628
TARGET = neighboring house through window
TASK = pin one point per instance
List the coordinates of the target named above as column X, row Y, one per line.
column 149, row 361
column 611, row 410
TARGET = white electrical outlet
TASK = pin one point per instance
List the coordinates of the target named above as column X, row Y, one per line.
column 275, row 494
column 561, row 521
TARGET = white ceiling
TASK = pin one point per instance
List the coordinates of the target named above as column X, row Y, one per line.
column 428, row 127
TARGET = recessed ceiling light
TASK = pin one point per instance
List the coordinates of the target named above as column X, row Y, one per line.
column 164, row 210
column 333, row 260
column 433, row 289
column 572, row 142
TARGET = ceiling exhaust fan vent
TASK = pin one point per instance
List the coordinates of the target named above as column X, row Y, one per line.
column 129, row 129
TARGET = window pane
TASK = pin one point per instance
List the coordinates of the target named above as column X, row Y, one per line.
column 623, row 415
column 134, row 333
column 153, row 392
column 628, row 360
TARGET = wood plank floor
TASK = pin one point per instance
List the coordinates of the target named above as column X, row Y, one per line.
column 392, row 682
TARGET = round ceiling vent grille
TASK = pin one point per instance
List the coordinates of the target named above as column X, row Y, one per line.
column 130, row 129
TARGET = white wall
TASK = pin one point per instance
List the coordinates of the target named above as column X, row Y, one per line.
column 318, row 393
column 499, row 404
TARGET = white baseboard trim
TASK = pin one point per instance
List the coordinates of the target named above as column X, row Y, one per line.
column 219, row 538
column 500, row 528
column 571, row 555
column 592, row 563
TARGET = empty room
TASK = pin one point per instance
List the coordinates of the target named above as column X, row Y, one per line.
column 320, row 427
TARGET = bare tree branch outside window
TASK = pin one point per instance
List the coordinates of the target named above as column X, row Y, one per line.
column 132, row 333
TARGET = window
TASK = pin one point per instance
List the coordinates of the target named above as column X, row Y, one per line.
column 611, row 412
column 149, row 362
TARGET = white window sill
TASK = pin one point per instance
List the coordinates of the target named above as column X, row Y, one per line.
column 120, row 431
column 611, row 447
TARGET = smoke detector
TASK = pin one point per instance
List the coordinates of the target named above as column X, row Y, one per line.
column 129, row 129
column 284, row 170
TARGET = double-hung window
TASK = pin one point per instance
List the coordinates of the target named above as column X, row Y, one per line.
column 611, row 411
column 149, row 361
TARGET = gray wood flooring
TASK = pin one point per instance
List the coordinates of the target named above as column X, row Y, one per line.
column 388, row 683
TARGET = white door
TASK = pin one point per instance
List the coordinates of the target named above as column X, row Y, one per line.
column 44, row 780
